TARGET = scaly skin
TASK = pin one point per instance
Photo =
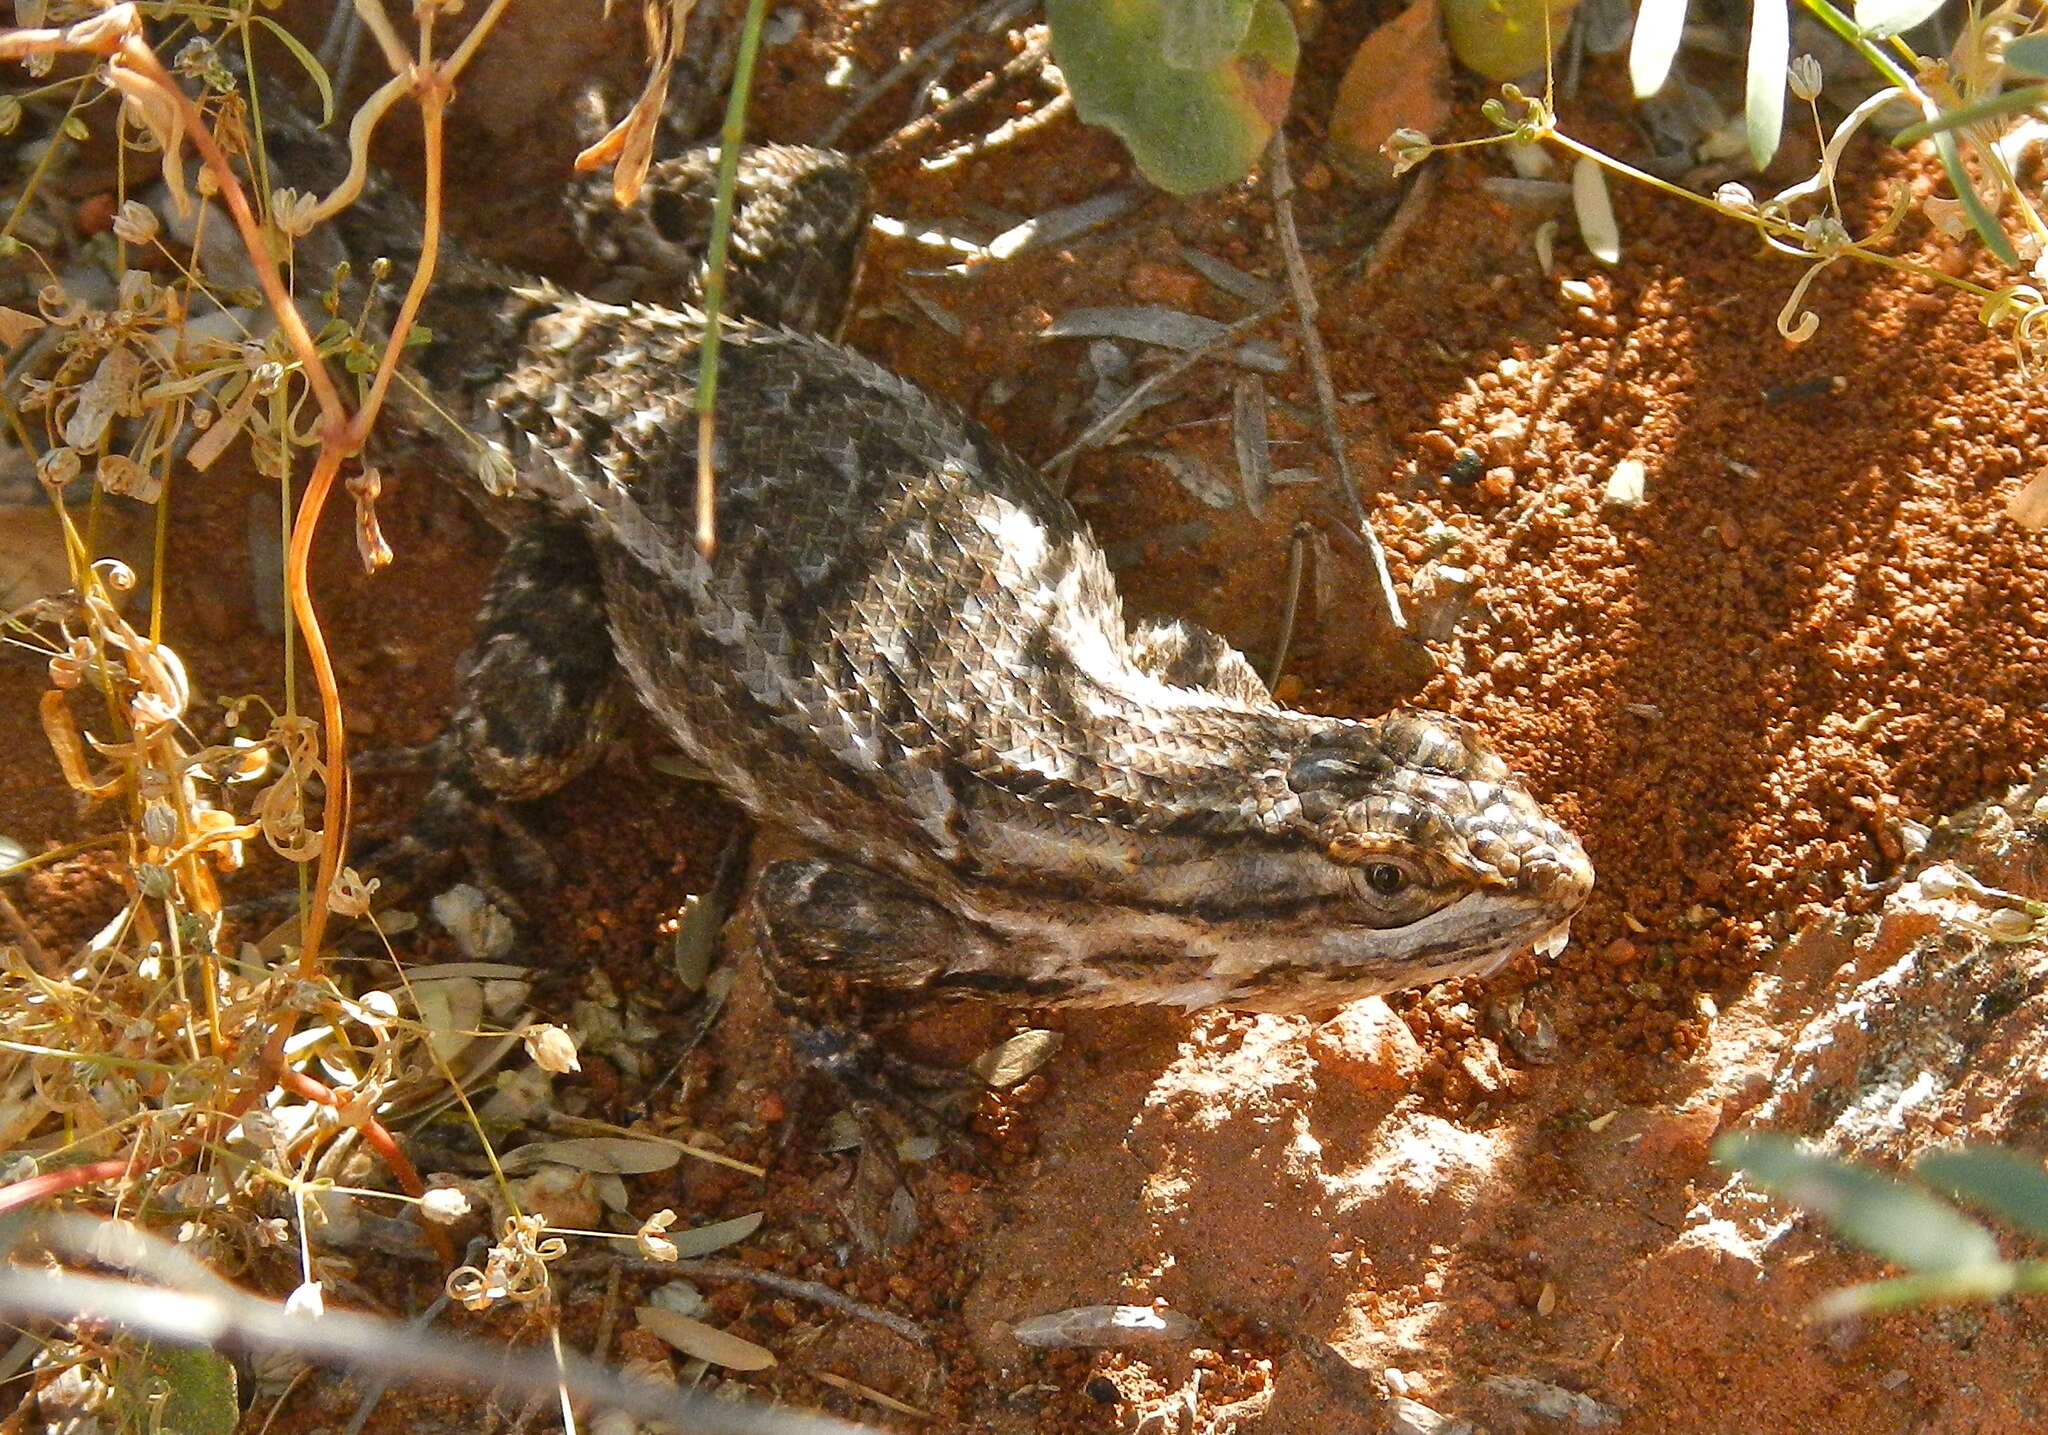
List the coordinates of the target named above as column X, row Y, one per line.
column 908, row 655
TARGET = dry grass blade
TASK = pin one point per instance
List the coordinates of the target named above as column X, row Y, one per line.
column 1254, row 449
column 704, row 1342
column 870, row 1394
column 195, row 1308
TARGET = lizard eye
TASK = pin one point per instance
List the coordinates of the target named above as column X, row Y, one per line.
column 1386, row 878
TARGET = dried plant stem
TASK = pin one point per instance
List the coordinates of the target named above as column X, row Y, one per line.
column 380, row 1140
column 116, row 36
column 1306, row 307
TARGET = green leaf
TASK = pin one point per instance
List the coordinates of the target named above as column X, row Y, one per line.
column 306, row 62
column 1763, row 108
column 1976, row 1283
column 1502, row 39
column 1906, row 1225
column 1981, row 219
column 1659, row 25
column 1881, row 19
column 2006, row 103
column 1202, row 34
column 196, row 1386
column 2009, row 1184
column 1187, row 129
column 2028, row 54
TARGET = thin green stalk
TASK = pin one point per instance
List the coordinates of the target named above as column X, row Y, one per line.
column 714, row 261
column 1981, row 219
column 1777, row 227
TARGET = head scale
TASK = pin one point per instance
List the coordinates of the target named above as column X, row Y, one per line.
column 1445, row 851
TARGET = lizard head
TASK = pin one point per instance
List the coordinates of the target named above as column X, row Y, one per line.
column 1442, row 863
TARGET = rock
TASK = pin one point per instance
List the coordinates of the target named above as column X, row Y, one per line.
column 1367, row 1047
column 1412, row 1417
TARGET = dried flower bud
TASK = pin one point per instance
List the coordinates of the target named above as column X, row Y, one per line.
column 135, row 222
column 58, row 467
column 551, row 1048
column 653, row 1244
column 351, row 895
column 1805, row 77
column 292, row 211
column 160, row 824
column 371, row 546
column 118, row 473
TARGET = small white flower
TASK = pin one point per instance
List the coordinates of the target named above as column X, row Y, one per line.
column 1736, row 197
column 2009, row 924
column 306, row 1301
column 138, row 293
column 260, row 1129
column 266, row 376
column 292, row 210
column 1406, row 148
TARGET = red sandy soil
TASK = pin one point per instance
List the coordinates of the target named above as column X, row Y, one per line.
column 1818, row 626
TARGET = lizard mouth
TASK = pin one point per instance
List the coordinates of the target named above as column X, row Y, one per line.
column 1472, row 937
column 1552, row 942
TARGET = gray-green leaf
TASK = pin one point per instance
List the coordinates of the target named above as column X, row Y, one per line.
column 1200, row 34
column 1904, row 1224
column 1659, row 25
column 2009, row 1184
column 2028, row 54
column 1881, row 19
column 1763, row 109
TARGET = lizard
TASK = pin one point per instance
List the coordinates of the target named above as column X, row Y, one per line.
column 907, row 657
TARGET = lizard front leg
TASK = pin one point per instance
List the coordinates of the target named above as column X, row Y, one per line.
column 831, row 935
